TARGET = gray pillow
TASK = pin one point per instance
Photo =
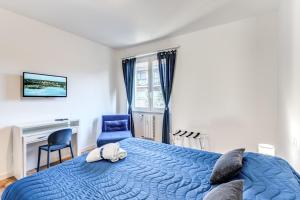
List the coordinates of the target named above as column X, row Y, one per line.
column 227, row 166
column 227, row 191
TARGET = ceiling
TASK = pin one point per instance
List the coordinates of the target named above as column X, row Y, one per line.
column 123, row 23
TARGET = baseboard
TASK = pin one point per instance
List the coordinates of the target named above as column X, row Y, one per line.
column 88, row 148
column 6, row 175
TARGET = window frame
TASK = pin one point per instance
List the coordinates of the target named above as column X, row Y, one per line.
column 149, row 59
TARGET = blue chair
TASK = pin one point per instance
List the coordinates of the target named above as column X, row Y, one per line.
column 56, row 141
column 117, row 131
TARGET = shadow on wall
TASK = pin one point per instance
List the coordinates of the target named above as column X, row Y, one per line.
column 222, row 130
column 113, row 80
column 97, row 127
column 13, row 87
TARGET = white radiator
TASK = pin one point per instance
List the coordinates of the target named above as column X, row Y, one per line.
column 148, row 125
column 195, row 140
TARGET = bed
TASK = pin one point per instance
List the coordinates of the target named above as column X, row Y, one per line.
column 155, row 171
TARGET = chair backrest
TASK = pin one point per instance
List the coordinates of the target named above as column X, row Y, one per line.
column 60, row 137
column 115, row 117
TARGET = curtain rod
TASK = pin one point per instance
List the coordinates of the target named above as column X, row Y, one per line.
column 152, row 53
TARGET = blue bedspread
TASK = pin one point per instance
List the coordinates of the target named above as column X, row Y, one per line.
column 155, row 171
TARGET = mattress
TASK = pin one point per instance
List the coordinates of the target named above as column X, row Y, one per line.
column 155, row 171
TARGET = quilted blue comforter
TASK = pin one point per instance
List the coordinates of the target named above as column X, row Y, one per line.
column 155, row 171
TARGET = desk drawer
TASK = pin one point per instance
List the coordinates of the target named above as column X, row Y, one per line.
column 37, row 138
column 43, row 137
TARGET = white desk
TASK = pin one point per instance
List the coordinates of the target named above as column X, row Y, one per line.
column 33, row 135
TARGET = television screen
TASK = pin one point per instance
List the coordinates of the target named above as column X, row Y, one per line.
column 42, row 85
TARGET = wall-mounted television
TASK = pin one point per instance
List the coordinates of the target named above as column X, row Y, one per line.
column 43, row 85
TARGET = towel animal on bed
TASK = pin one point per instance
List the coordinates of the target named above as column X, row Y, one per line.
column 111, row 151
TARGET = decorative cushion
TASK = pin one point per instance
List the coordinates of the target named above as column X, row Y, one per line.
column 227, row 166
column 116, row 125
column 227, row 191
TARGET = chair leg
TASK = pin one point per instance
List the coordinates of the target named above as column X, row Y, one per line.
column 48, row 158
column 71, row 151
column 39, row 159
column 59, row 153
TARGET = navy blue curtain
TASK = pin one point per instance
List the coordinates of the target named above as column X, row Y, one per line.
column 128, row 72
column 166, row 65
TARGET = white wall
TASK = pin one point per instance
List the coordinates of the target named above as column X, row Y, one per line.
column 27, row 45
column 225, row 82
column 289, row 82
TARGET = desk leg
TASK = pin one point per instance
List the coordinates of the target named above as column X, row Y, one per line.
column 24, row 164
column 75, row 145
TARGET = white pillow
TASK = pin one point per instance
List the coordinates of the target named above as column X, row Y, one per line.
column 93, row 155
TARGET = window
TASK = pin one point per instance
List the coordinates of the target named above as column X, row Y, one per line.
column 147, row 94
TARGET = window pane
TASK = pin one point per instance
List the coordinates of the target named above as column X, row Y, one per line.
column 157, row 99
column 141, row 85
column 148, row 95
column 155, row 74
column 142, row 74
column 142, row 98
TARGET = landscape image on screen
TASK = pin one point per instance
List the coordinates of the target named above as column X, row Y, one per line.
column 44, row 85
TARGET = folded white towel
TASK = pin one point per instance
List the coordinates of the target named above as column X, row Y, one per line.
column 122, row 154
column 111, row 151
